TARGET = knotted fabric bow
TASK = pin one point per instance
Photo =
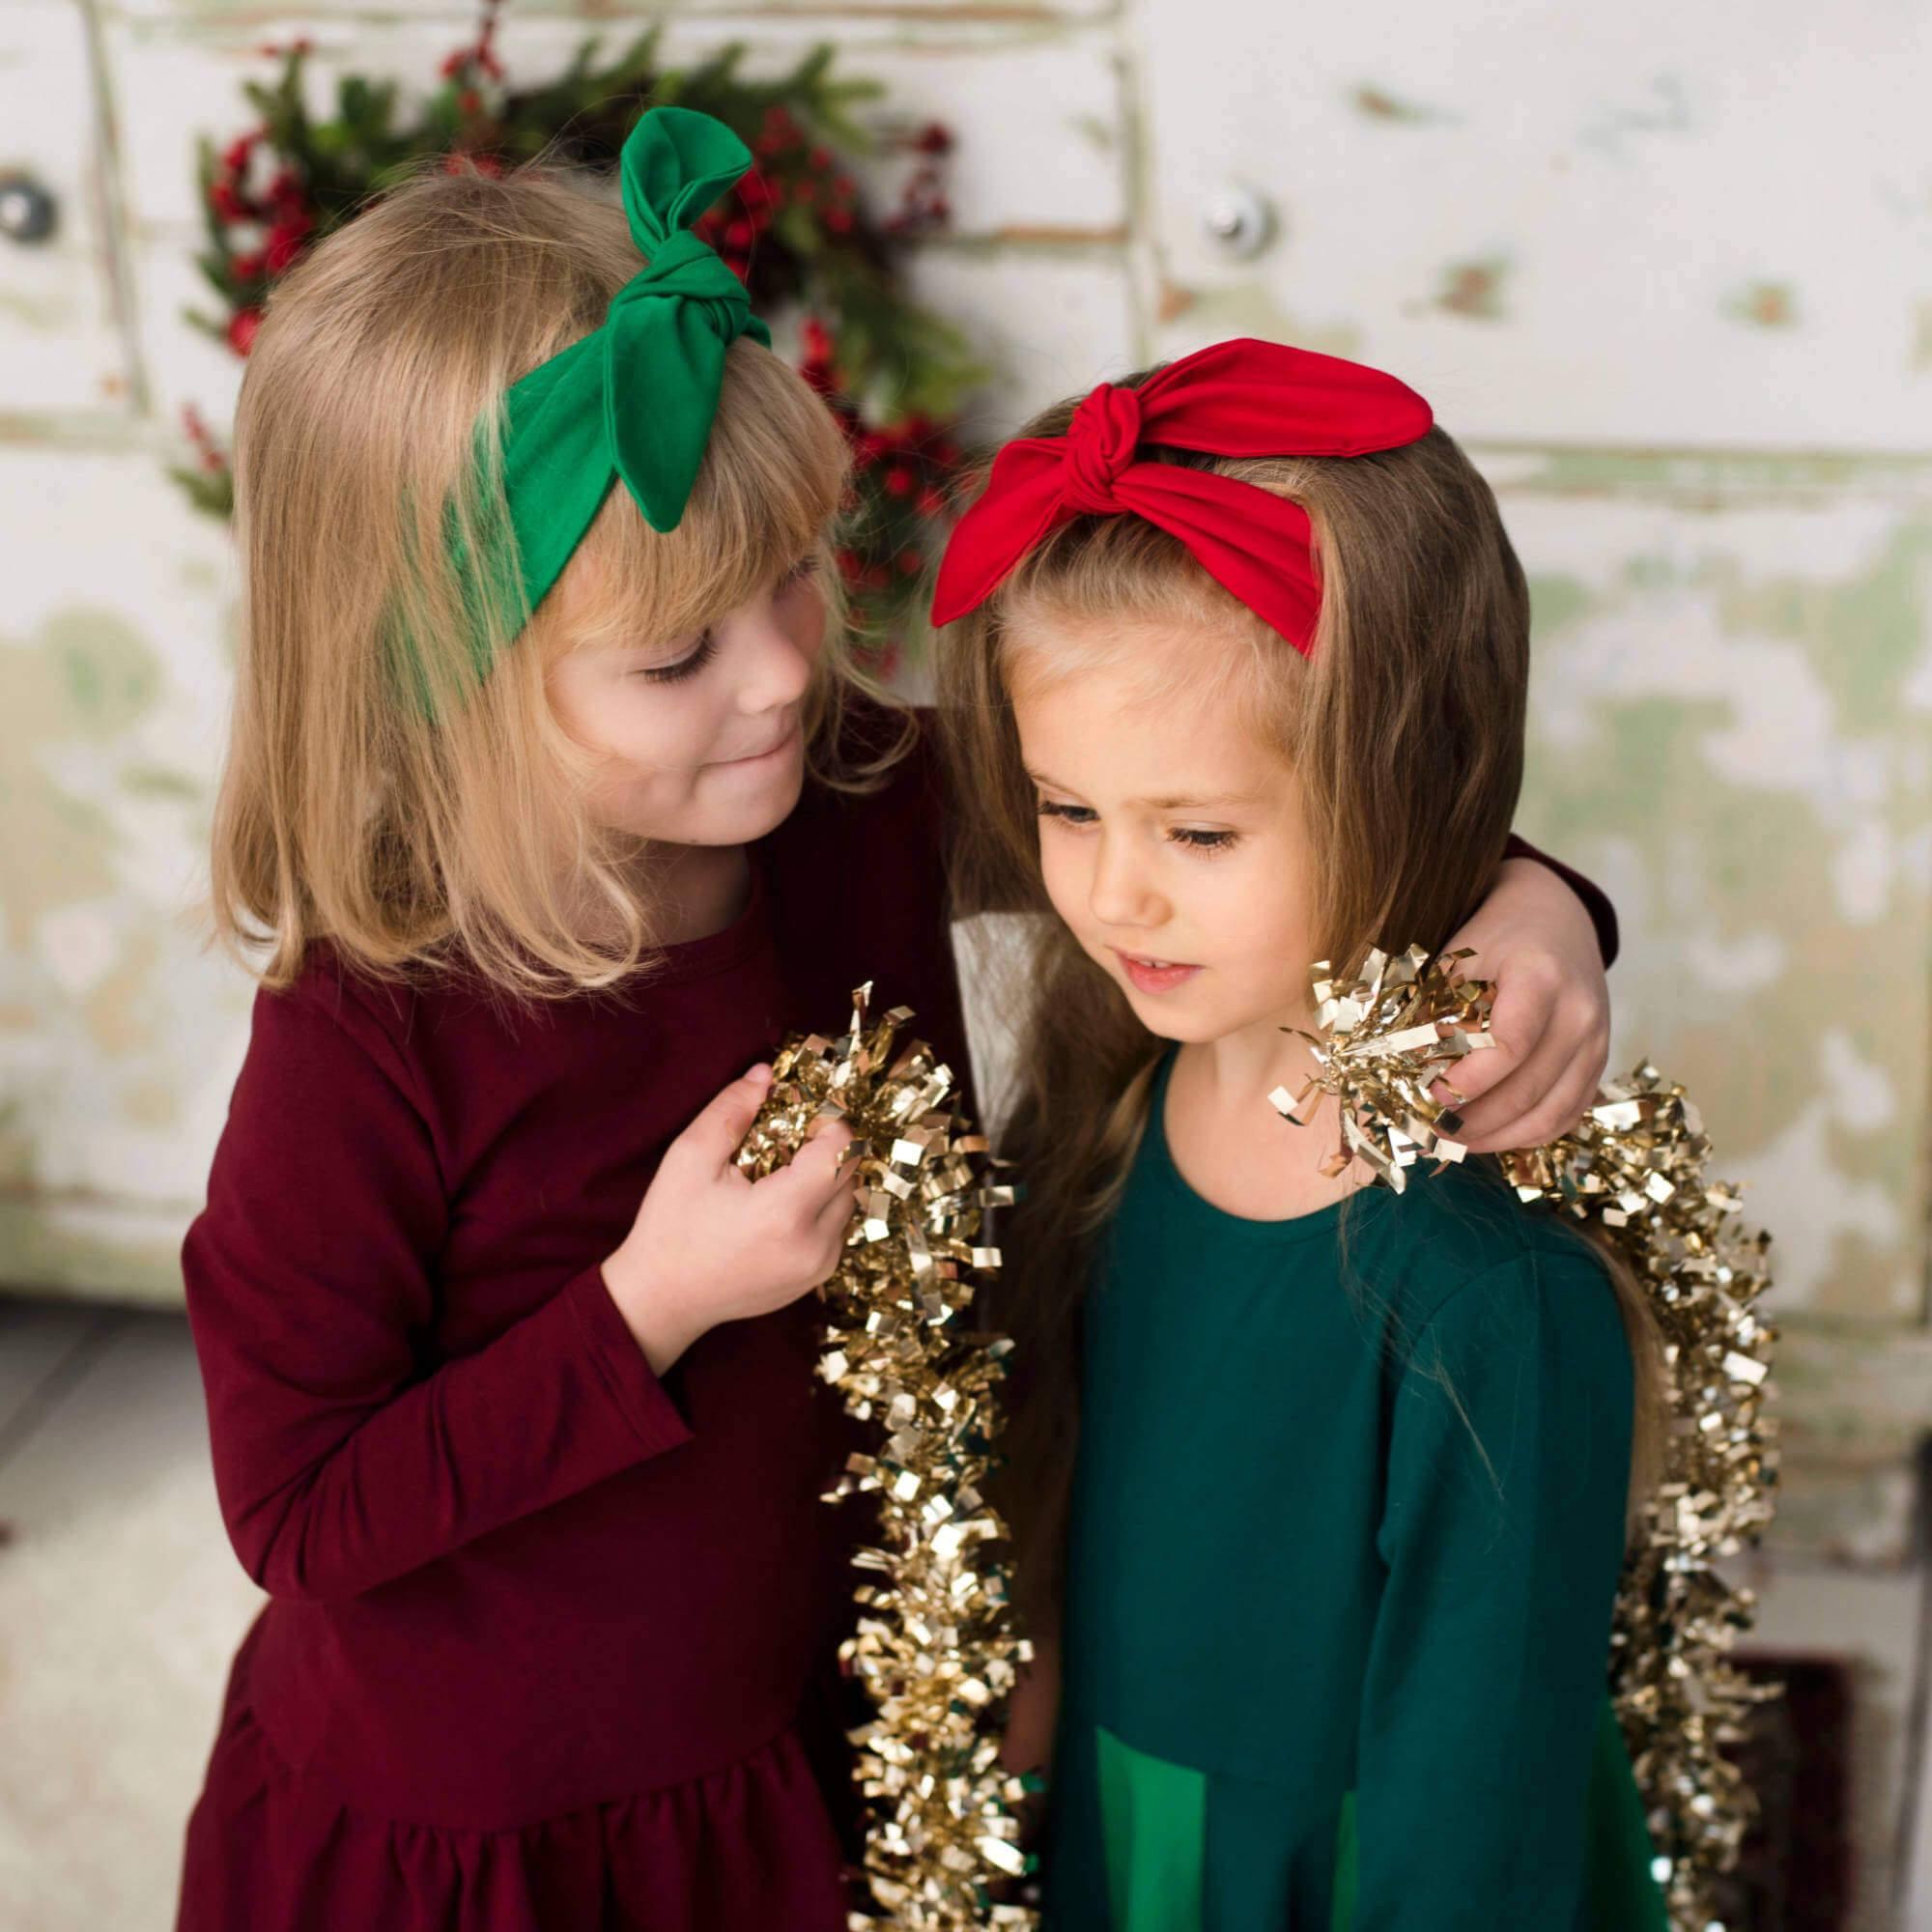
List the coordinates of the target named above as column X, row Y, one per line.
column 1240, row 398
column 635, row 398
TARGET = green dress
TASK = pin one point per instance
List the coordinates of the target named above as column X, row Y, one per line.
column 1348, row 1524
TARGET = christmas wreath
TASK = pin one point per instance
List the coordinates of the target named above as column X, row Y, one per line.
column 797, row 230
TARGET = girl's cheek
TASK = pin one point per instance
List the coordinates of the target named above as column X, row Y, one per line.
column 669, row 726
column 1060, row 873
column 1274, row 917
column 812, row 636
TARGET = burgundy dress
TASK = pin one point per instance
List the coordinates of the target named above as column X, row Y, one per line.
column 549, row 1641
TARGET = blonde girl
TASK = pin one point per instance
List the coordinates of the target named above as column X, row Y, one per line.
column 533, row 872
column 1236, row 667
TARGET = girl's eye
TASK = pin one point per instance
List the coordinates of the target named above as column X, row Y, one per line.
column 804, row 568
column 1068, row 814
column 1203, row 842
column 673, row 674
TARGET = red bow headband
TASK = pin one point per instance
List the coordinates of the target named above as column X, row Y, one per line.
column 1240, row 398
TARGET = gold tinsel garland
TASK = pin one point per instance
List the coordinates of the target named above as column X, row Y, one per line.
column 1635, row 1169
column 936, row 1645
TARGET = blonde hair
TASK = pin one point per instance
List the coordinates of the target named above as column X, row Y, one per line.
column 396, row 781
column 1404, row 727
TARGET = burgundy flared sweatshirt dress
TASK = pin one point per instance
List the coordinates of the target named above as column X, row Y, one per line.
column 550, row 1642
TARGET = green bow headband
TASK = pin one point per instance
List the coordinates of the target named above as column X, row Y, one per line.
column 635, row 398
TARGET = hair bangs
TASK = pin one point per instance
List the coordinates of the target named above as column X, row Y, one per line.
column 770, row 485
column 1086, row 598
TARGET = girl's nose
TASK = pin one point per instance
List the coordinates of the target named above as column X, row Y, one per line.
column 1121, row 894
column 778, row 670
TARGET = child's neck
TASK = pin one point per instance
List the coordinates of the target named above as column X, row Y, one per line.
column 693, row 890
column 698, row 890
column 1231, row 1146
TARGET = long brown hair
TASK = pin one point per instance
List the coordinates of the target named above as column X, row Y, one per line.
column 1404, row 727
column 380, row 793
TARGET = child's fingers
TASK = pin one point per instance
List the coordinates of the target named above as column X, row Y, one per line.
column 1554, row 1114
column 827, row 1145
column 719, row 1131
column 836, row 1215
column 1478, row 1073
column 815, row 1172
column 1521, row 1022
column 1536, row 1100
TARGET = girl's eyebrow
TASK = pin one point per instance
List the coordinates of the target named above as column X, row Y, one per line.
column 1176, row 804
column 1196, row 804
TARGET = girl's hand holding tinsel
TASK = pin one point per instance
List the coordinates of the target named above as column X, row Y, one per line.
column 711, row 1246
column 1535, row 943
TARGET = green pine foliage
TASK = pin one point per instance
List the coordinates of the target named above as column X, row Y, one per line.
column 797, row 230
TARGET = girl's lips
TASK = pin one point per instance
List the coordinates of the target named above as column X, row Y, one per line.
column 756, row 759
column 1154, row 976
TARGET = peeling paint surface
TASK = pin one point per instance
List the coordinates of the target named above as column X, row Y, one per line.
column 1665, row 270
column 1694, row 354
column 1729, row 726
column 1703, row 227
column 119, row 1031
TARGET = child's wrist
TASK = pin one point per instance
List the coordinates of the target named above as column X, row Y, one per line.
column 658, row 1327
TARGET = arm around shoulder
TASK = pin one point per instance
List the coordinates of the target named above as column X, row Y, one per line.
column 1596, row 903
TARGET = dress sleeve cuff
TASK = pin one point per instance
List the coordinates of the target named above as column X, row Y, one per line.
column 626, row 1376
column 1596, row 901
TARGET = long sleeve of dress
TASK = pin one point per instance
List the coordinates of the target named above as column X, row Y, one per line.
column 1502, row 1535
column 341, row 1459
column 1596, row 901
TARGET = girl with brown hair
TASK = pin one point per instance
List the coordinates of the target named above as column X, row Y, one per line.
column 1236, row 672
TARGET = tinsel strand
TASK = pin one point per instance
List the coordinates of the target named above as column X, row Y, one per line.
column 1635, row 1169
column 936, row 1646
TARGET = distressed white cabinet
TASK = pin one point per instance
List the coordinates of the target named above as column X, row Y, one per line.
column 63, row 344
column 1645, row 226
column 1668, row 271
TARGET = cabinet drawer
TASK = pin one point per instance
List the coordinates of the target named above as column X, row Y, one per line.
column 120, row 1030
column 62, row 348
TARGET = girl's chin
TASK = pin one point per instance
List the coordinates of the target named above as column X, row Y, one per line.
column 1166, row 1018
column 1197, row 1024
column 742, row 802
column 735, row 812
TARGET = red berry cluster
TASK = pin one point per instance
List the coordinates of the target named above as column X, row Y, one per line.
column 923, row 205
column 482, row 56
column 818, row 360
column 909, row 464
column 208, row 452
column 470, row 65
column 914, row 459
column 738, row 223
column 789, row 170
column 904, row 468
column 278, row 216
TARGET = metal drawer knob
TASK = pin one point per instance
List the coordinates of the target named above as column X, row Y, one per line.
column 1238, row 220
column 28, row 213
